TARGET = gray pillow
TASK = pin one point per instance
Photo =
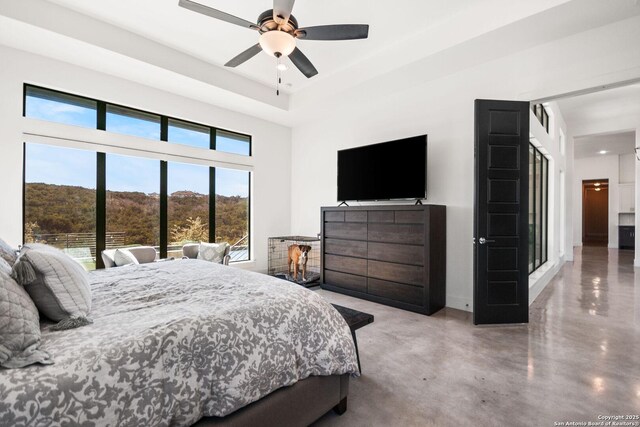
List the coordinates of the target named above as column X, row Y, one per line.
column 19, row 327
column 213, row 252
column 58, row 285
column 4, row 266
column 8, row 253
column 123, row 257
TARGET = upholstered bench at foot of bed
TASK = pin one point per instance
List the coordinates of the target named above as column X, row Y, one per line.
column 298, row 405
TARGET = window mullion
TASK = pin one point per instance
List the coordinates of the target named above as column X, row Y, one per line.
column 164, row 204
column 101, row 207
column 212, row 204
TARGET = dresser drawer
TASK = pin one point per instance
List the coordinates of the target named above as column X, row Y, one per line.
column 401, row 273
column 410, row 217
column 381, row 216
column 355, row 248
column 334, row 216
column 396, row 291
column 346, row 230
column 355, row 216
column 345, row 264
column 408, row 234
column 346, row 281
column 393, row 252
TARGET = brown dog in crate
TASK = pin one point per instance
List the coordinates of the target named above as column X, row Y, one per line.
column 298, row 255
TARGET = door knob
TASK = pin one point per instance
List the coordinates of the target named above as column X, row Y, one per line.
column 484, row 241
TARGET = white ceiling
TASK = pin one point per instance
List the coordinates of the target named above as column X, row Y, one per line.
column 613, row 144
column 216, row 42
column 602, row 106
column 600, row 121
column 157, row 43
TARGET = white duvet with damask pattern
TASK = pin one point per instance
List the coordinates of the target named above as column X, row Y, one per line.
column 174, row 341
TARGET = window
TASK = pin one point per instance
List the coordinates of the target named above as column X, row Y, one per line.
column 233, row 143
column 133, row 200
column 60, row 200
column 105, row 201
column 189, row 134
column 542, row 115
column 544, row 217
column 532, row 198
column 188, row 205
column 232, row 211
column 132, row 122
column 538, row 208
column 58, row 107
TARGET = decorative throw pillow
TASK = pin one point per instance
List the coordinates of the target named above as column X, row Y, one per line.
column 213, row 252
column 57, row 284
column 8, row 253
column 4, row 266
column 123, row 257
column 19, row 327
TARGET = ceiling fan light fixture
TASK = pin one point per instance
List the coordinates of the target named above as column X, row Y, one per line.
column 273, row 42
column 282, row 67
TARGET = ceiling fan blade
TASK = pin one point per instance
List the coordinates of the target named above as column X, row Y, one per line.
column 244, row 56
column 302, row 63
column 215, row 13
column 334, row 32
column 282, row 10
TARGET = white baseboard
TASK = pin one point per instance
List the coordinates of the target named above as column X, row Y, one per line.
column 459, row 303
column 636, row 262
column 612, row 246
column 541, row 282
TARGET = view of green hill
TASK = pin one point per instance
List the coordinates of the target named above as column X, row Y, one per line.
column 60, row 209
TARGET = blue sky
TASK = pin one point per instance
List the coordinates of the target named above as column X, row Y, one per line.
column 65, row 166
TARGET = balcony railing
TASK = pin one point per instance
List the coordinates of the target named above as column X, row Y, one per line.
column 239, row 251
column 82, row 246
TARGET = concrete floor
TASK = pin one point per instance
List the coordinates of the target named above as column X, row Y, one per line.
column 578, row 358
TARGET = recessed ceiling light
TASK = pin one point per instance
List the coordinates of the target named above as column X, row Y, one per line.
column 602, row 152
column 598, row 189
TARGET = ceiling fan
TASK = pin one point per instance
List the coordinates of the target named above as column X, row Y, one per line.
column 279, row 31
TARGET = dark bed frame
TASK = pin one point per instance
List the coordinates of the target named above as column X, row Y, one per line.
column 298, row 405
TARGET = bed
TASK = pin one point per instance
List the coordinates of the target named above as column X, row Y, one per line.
column 187, row 341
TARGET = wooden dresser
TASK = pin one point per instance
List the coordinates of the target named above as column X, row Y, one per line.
column 394, row 255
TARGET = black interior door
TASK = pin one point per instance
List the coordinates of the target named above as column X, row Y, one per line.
column 501, row 223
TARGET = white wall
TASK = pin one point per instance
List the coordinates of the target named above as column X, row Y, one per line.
column 443, row 109
column 627, row 168
column 600, row 167
column 271, row 162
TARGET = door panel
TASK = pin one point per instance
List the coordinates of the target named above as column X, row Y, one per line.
column 501, row 279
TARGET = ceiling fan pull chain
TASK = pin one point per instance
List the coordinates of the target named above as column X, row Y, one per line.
column 279, row 80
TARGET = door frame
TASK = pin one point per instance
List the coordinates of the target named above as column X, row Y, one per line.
column 584, row 184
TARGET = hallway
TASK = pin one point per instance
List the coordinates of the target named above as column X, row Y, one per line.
column 577, row 359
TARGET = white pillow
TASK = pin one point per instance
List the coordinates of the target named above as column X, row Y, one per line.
column 124, row 257
column 213, row 252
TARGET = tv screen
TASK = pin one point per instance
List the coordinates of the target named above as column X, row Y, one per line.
column 390, row 170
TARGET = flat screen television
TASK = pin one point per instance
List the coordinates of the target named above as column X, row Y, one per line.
column 390, row 170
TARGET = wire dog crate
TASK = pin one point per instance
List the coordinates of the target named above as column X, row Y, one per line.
column 279, row 259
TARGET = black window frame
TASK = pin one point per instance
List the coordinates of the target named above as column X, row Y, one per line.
column 101, row 191
column 540, row 111
column 541, row 192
